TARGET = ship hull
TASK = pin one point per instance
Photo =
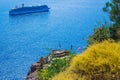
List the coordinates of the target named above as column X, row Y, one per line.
column 28, row 10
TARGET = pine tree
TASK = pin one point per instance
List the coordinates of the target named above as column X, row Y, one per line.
column 113, row 8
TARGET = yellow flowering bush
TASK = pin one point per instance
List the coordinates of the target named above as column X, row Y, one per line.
column 100, row 61
column 67, row 75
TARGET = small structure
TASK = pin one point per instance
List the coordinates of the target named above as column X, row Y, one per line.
column 22, row 4
column 59, row 53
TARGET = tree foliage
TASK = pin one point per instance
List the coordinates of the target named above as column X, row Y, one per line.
column 113, row 8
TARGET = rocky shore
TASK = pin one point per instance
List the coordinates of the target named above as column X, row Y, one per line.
column 33, row 71
column 32, row 74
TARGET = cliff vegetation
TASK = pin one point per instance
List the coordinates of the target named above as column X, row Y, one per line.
column 100, row 61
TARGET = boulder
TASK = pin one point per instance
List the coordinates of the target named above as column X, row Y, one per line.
column 33, row 70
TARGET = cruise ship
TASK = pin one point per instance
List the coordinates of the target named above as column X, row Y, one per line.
column 28, row 9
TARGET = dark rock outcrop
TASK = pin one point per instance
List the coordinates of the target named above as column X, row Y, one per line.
column 33, row 71
column 32, row 74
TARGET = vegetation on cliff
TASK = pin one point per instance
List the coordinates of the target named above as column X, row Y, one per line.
column 100, row 34
column 100, row 61
column 105, row 32
column 54, row 67
column 113, row 9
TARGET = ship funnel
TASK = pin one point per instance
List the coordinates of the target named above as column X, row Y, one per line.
column 22, row 4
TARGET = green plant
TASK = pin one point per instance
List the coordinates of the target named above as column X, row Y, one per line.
column 113, row 8
column 57, row 65
column 99, row 34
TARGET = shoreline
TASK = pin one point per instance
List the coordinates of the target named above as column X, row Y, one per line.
column 32, row 74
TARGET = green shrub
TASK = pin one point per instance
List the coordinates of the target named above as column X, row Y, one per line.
column 115, row 32
column 100, row 34
column 54, row 68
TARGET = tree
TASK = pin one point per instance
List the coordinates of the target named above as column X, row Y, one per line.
column 113, row 8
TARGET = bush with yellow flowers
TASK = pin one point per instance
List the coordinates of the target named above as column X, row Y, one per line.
column 100, row 61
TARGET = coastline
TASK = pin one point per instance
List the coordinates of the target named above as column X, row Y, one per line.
column 33, row 71
column 44, row 63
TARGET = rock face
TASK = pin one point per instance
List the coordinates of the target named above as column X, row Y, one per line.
column 43, row 63
column 32, row 74
column 33, row 71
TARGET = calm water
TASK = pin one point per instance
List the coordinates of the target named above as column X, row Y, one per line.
column 24, row 38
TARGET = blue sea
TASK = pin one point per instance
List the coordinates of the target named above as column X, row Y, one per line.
column 25, row 38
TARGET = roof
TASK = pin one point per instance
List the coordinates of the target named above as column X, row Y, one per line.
column 59, row 53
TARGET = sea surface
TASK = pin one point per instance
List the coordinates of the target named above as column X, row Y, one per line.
column 24, row 38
